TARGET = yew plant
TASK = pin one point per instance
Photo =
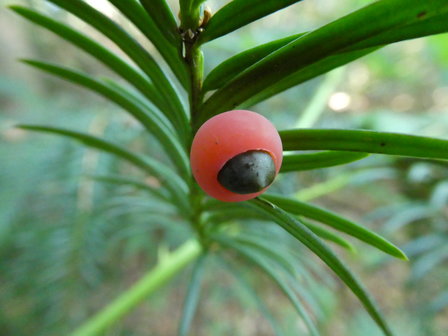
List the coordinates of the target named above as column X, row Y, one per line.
column 247, row 78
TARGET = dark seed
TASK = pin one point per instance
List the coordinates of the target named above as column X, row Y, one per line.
column 247, row 172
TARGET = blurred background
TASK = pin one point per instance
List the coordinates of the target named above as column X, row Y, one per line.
column 69, row 243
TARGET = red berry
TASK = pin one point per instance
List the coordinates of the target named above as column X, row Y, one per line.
column 236, row 155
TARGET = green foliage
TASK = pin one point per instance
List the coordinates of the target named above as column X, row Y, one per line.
column 145, row 286
column 147, row 25
column 425, row 223
column 276, row 278
column 365, row 141
column 96, row 50
column 232, row 67
column 336, row 222
column 305, row 236
column 148, row 117
column 239, row 13
column 174, row 184
column 339, row 36
column 300, row 162
column 192, row 296
column 246, row 78
column 164, row 18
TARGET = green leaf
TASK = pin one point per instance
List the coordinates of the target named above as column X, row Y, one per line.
column 122, row 180
column 192, row 297
column 148, row 118
column 252, row 257
column 239, row 13
column 185, row 5
column 271, row 252
column 231, row 213
column 328, row 235
column 304, row 235
column 432, row 25
column 435, row 25
column 424, row 243
column 317, row 103
column 102, row 54
column 365, row 141
column 309, row 72
column 164, row 18
column 428, row 262
column 409, row 213
column 300, row 162
column 239, row 211
column 135, row 52
column 189, row 15
column 196, row 3
column 233, row 66
column 336, row 222
column 177, row 187
column 439, row 303
column 317, row 45
column 147, row 285
column 427, row 25
column 242, row 280
column 143, row 104
column 145, row 23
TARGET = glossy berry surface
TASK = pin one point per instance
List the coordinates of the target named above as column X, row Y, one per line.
column 236, row 155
